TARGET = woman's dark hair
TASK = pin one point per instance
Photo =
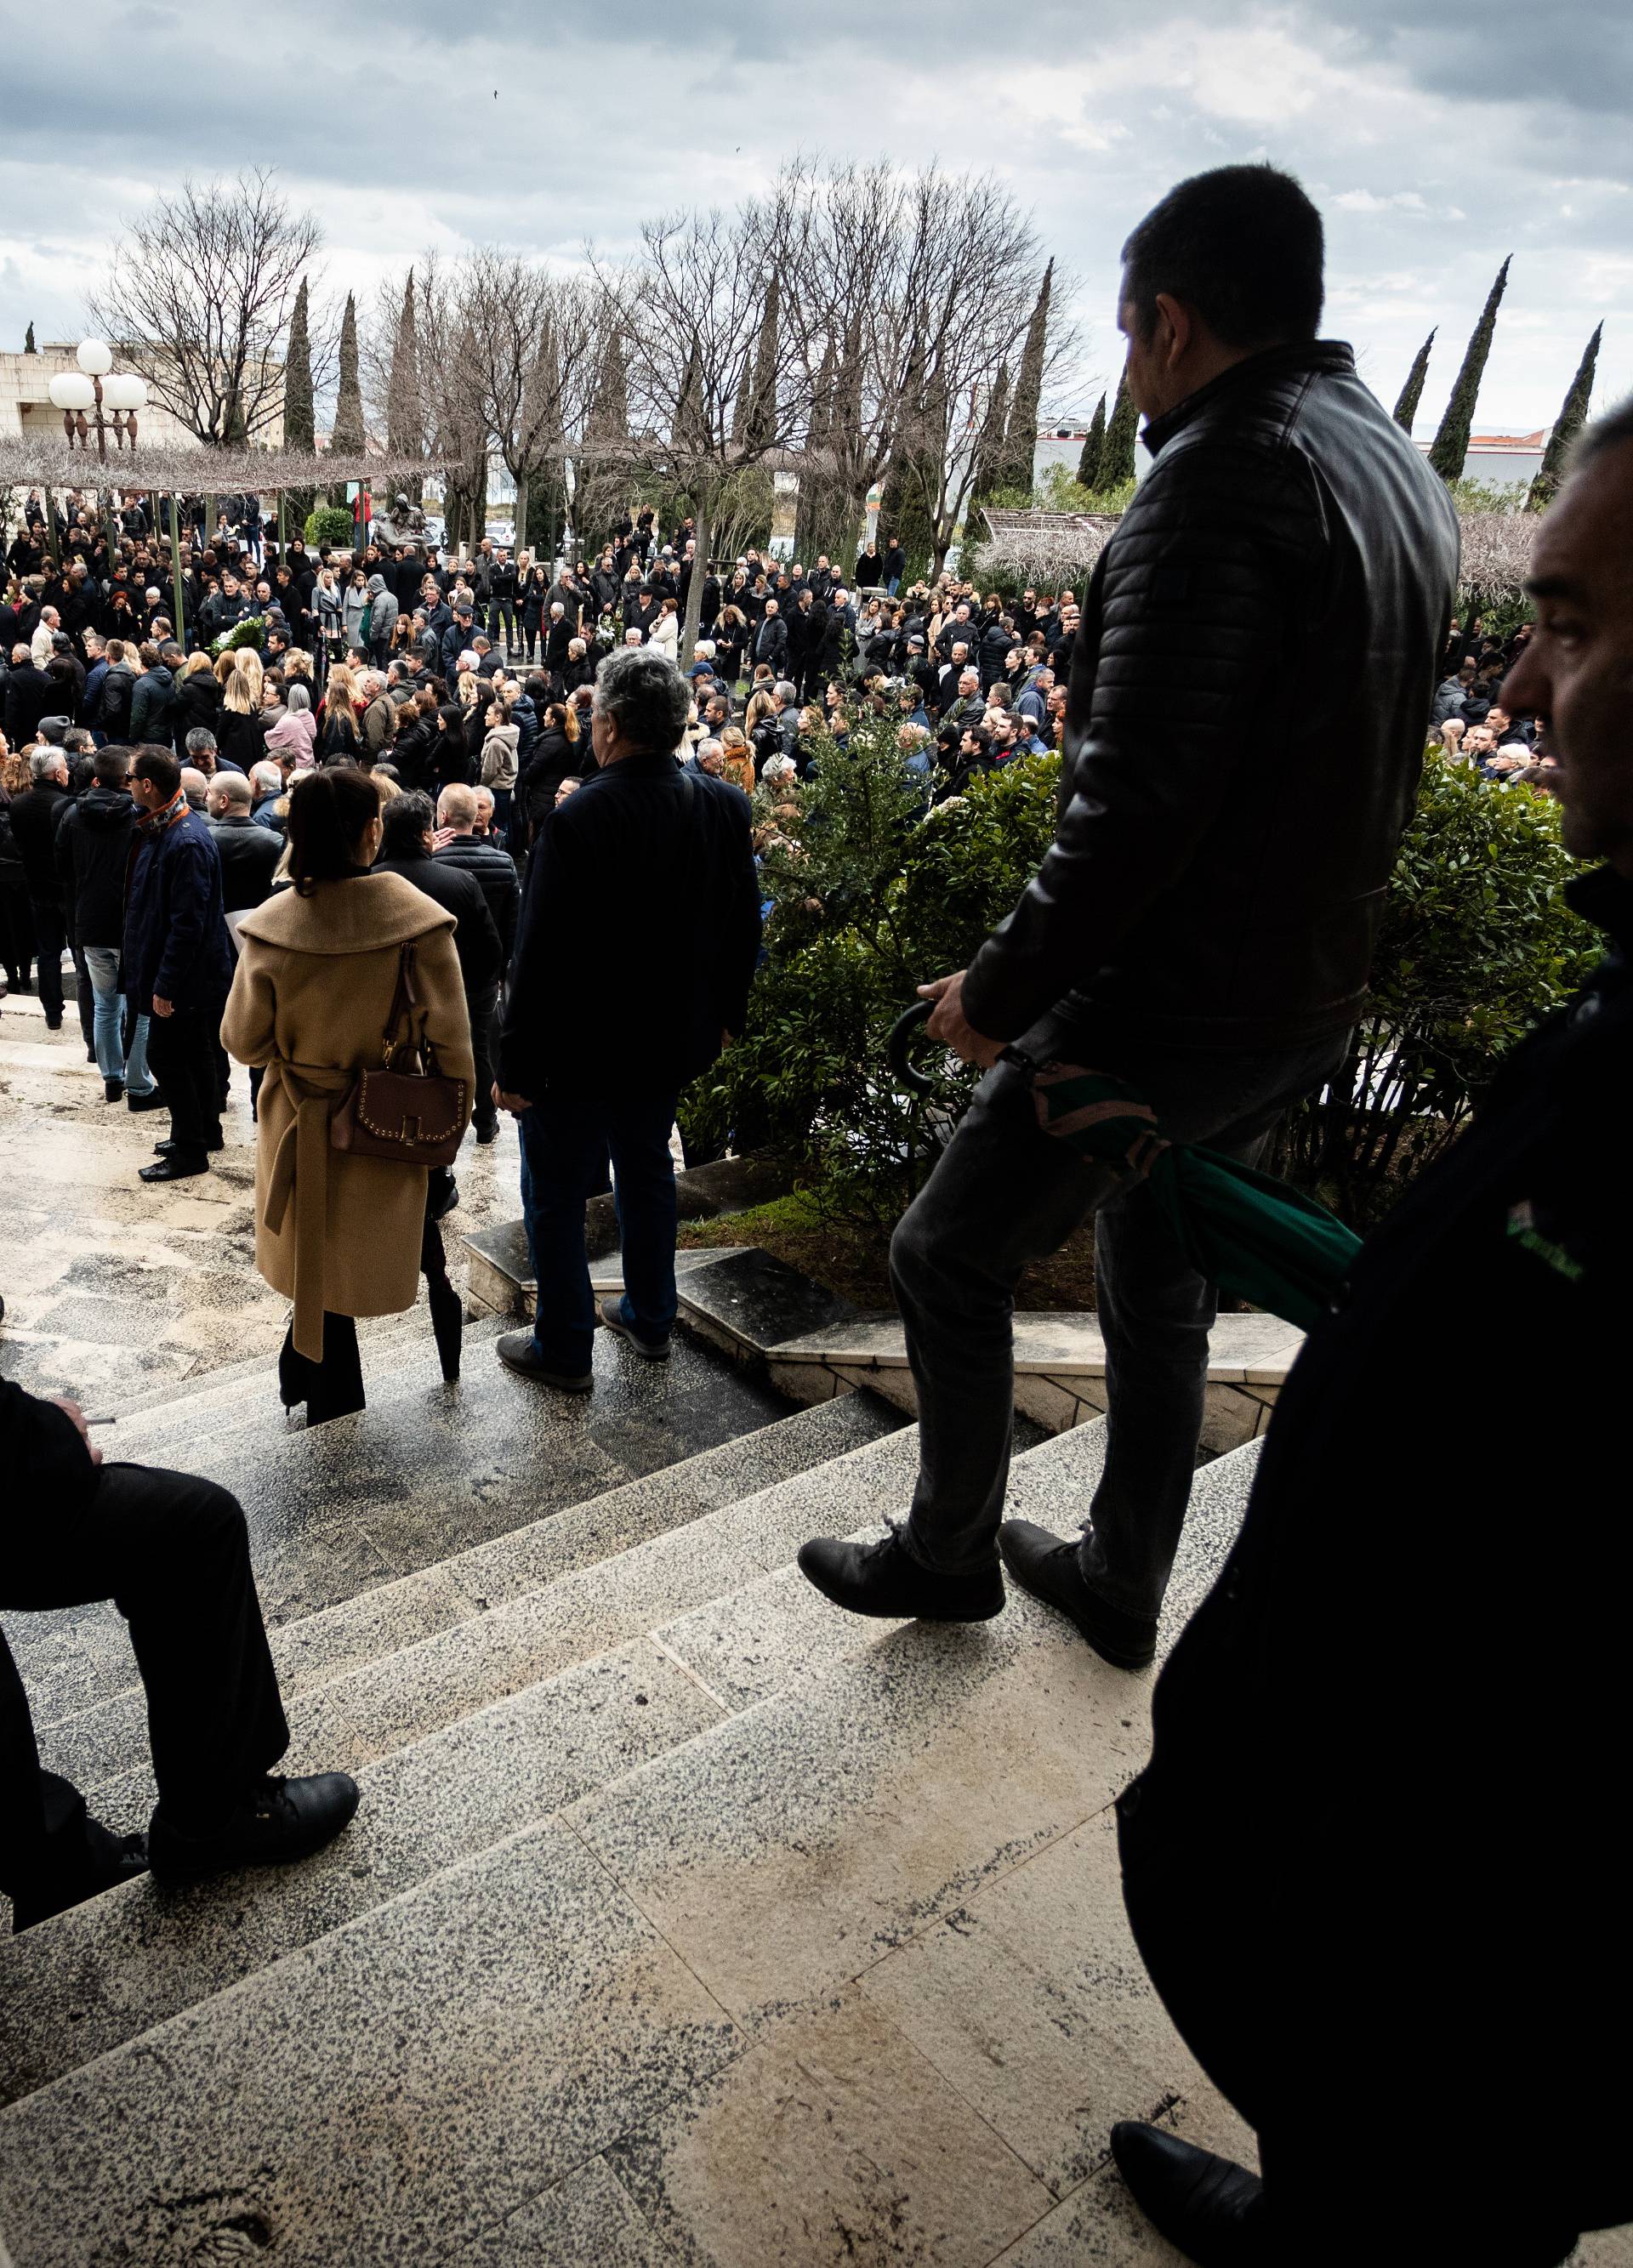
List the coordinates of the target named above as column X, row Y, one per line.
column 329, row 812
column 453, row 717
column 405, row 819
column 1242, row 244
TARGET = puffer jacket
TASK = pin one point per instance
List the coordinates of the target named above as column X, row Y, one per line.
column 1230, row 808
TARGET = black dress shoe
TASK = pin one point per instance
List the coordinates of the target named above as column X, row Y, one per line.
column 113, row 1090
column 882, row 1579
column 169, row 1149
column 281, row 1820
column 487, row 1131
column 153, row 1099
column 179, row 1165
column 131, row 1862
column 1209, row 2209
column 517, row 1351
column 1050, row 1570
column 443, row 1199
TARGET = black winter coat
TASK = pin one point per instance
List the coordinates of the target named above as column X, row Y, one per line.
column 495, row 872
column 475, row 939
column 1229, row 813
column 29, row 695
column 93, row 860
column 36, row 814
column 688, row 901
column 175, row 941
column 248, row 855
column 1343, row 1730
column 152, row 709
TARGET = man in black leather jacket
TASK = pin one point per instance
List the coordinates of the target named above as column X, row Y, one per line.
column 1203, row 925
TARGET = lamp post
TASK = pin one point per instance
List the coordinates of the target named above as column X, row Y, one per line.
column 73, row 391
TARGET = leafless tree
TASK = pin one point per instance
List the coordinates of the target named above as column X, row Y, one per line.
column 452, row 409
column 718, row 385
column 535, row 339
column 199, row 297
column 920, row 287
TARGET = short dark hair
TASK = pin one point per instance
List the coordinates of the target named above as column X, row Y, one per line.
column 405, row 819
column 328, row 811
column 1605, row 433
column 112, row 765
column 159, row 766
column 1242, row 244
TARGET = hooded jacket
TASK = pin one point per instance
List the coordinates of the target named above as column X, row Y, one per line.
column 499, row 757
column 152, row 707
column 383, row 611
column 175, row 941
column 93, row 859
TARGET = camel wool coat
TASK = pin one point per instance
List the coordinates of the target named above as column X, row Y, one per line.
column 309, row 1001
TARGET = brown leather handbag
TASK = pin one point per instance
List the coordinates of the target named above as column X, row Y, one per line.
column 415, row 1115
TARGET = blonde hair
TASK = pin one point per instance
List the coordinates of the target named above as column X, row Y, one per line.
column 250, row 670
column 226, row 667
column 235, row 692
column 342, row 685
column 385, row 787
column 761, row 706
column 195, row 662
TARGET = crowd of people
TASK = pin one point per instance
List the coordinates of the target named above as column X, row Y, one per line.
column 465, row 824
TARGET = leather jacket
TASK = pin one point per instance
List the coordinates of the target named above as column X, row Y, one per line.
column 1245, row 723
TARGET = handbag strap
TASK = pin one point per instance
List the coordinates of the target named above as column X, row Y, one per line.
column 404, row 1000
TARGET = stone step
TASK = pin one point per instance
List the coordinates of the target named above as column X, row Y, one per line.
column 107, row 1738
column 407, row 1694
column 410, row 2081
column 347, row 1506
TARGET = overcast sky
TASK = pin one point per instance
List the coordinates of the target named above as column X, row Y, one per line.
column 1435, row 142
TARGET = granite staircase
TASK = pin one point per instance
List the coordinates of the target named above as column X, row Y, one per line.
column 683, row 1918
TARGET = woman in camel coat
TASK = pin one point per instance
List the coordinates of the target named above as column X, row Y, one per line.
column 337, row 1233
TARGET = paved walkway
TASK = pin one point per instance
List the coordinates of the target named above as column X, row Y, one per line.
column 113, row 1288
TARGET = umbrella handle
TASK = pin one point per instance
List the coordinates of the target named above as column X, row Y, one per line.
column 902, row 1031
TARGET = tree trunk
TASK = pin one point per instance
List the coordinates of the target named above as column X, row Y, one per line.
column 694, row 588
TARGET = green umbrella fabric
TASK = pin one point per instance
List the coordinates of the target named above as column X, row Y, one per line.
column 1253, row 1235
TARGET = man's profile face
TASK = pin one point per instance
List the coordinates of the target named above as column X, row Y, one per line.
column 1578, row 670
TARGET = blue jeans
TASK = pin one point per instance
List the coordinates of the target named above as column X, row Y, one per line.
column 566, row 1139
column 1004, row 1193
column 108, row 1029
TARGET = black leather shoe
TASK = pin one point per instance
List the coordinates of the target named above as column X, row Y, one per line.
column 487, row 1131
column 179, row 1165
column 281, row 1820
column 443, row 1200
column 169, row 1149
column 1211, row 2210
column 1050, row 1570
column 516, row 1351
column 612, row 1310
column 131, row 1862
column 113, row 1090
column 153, row 1099
column 884, row 1579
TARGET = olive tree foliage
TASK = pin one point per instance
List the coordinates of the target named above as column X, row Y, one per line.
column 921, row 288
column 199, row 297
column 714, row 391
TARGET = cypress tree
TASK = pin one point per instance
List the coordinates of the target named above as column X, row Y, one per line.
column 28, row 340
column 808, row 512
column 1020, row 438
column 1093, row 449
column 605, row 480
column 1411, row 392
column 404, row 434
column 541, row 498
column 347, row 432
column 1117, row 459
column 761, row 430
column 1567, row 425
column 989, row 442
column 300, row 433
column 1452, row 441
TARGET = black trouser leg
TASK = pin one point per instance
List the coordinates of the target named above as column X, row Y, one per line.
column 50, row 936
column 173, row 1553
column 84, row 998
column 332, row 1388
column 483, row 1007
column 180, row 1055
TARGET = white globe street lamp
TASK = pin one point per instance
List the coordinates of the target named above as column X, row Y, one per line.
column 74, row 392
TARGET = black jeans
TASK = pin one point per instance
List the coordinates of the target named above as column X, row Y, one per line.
column 1004, row 1193
column 50, row 939
column 502, row 618
column 172, row 1553
column 482, row 1008
column 182, row 1055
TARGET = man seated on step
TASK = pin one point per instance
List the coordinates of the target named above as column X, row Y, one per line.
column 1377, row 1866
column 1202, row 926
column 172, row 1553
column 639, row 930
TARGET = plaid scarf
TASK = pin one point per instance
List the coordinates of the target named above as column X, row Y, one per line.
column 155, row 822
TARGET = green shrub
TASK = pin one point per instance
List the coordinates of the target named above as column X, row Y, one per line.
column 330, row 527
column 1476, row 946
column 876, row 898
